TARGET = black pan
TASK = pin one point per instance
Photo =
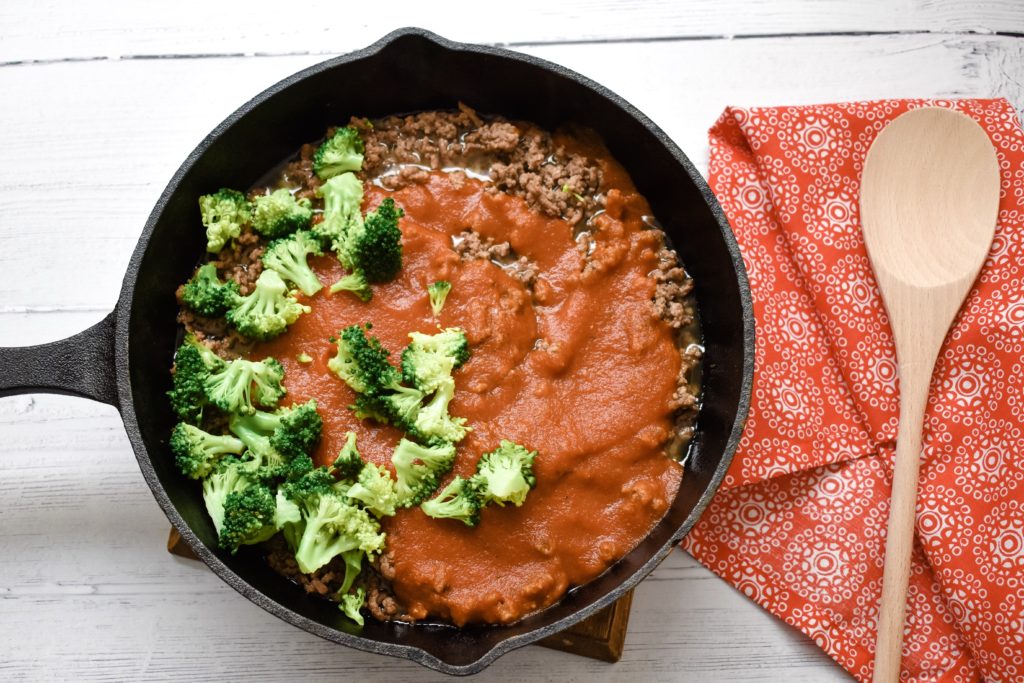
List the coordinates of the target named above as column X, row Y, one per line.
column 124, row 359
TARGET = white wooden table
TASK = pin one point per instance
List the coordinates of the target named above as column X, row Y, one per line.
column 100, row 102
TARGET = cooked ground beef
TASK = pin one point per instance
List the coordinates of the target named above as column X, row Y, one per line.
column 240, row 261
column 520, row 158
column 671, row 301
column 299, row 174
column 470, row 246
column 324, row 581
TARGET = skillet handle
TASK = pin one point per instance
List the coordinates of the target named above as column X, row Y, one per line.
column 82, row 365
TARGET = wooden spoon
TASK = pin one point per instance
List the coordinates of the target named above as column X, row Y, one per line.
column 928, row 201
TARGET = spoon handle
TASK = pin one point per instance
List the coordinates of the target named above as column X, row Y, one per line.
column 899, row 541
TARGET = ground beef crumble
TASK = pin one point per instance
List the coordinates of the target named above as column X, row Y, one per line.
column 520, row 158
column 471, row 246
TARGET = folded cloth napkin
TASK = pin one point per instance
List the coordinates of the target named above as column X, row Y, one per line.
column 799, row 525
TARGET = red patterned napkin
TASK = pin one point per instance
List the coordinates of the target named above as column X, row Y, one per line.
column 799, row 525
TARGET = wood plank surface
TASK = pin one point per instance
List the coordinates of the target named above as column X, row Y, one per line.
column 49, row 30
column 99, row 103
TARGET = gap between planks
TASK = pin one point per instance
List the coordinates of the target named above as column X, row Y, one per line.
column 526, row 43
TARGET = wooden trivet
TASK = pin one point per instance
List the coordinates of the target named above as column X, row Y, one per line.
column 599, row 637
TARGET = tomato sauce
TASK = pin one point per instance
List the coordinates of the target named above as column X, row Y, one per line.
column 578, row 369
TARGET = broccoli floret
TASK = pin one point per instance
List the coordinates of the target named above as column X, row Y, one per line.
column 375, row 489
column 206, row 294
column 314, row 483
column 362, row 362
column 288, row 256
column 376, row 247
column 268, row 310
column 351, row 603
column 332, row 527
column 438, row 292
column 197, row 452
column 341, row 152
column 298, row 467
column 372, row 250
column 428, row 360
column 248, row 518
column 343, row 199
column 349, row 462
column 461, row 500
column 292, row 432
column 304, row 358
column 400, row 406
column 507, row 473
column 279, row 213
column 288, row 519
column 193, row 363
column 223, row 213
column 230, row 475
column 353, row 282
column 353, row 565
column 240, row 384
column 433, row 423
column 419, row 469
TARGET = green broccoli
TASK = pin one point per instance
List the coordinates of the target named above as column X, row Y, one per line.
column 507, row 473
column 419, row 469
column 400, row 406
column 438, row 292
column 428, row 360
column 193, row 363
column 351, row 603
column 375, row 489
column 288, row 519
column 362, row 362
column 298, row 467
column 268, row 310
column 197, row 452
column 248, row 518
column 240, row 384
column 313, row 483
column 341, row 152
column 349, row 462
column 206, row 294
column 353, row 565
column 230, row 475
column 343, row 200
column 372, row 249
column 223, row 213
column 433, row 423
column 292, row 432
column 278, row 214
column 332, row 527
column 462, row 499
column 354, row 282
column 288, row 257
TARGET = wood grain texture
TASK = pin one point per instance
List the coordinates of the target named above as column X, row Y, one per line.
column 52, row 30
column 929, row 199
column 601, row 636
column 87, row 590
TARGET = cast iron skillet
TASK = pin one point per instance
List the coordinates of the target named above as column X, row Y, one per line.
column 124, row 359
